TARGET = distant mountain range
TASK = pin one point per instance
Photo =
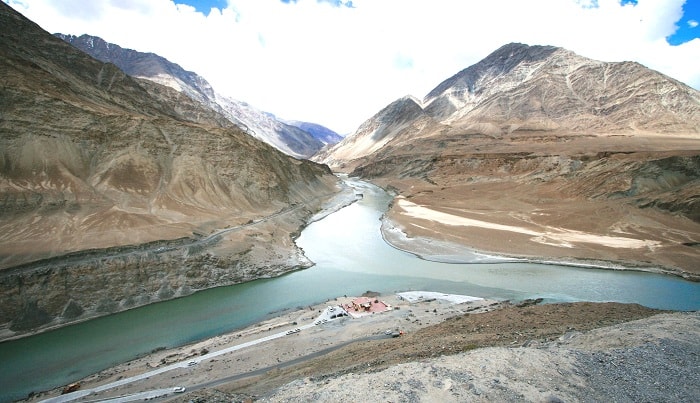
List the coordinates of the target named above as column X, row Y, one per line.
column 290, row 138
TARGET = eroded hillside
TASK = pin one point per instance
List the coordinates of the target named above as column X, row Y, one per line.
column 95, row 163
column 541, row 153
column 288, row 138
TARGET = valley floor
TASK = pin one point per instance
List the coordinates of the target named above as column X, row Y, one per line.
column 452, row 226
column 588, row 200
column 470, row 222
column 476, row 351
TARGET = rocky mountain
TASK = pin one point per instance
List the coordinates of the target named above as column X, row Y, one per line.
column 520, row 87
column 288, row 138
column 117, row 192
column 401, row 120
column 322, row 133
column 144, row 65
column 544, row 139
column 265, row 126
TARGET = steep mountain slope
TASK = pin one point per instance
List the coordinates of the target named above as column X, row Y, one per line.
column 400, row 122
column 104, row 179
column 322, row 133
column 520, row 87
column 266, row 127
column 525, row 147
column 143, row 65
column 285, row 137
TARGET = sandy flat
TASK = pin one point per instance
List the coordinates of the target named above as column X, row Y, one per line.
column 421, row 296
column 477, row 222
column 558, row 236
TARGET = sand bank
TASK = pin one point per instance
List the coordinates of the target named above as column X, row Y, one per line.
column 426, row 241
column 555, row 236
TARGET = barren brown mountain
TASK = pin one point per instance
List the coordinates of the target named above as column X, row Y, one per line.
column 297, row 140
column 541, row 153
column 117, row 192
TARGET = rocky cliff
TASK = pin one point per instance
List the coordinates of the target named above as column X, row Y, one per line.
column 116, row 192
column 544, row 140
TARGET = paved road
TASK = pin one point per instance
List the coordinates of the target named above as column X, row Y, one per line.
column 324, row 317
column 263, row 371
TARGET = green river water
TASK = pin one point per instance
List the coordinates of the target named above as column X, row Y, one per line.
column 351, row 257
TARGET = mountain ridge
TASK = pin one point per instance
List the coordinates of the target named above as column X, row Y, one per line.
column 134, row 184
column 322, row 133
column 539, row 137
column 502, row 60
column 262, row 125
column 397, row 120
column 585, row 87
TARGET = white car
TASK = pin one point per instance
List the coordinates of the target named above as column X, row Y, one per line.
column 179, row 389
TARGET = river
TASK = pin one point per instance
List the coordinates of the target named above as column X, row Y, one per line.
column 351, row 257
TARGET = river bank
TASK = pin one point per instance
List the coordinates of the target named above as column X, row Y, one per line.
column 408, row 315
column 425, row 232
column 441, row 251
column 81, row 286
column 479, row 350
column 350, row 257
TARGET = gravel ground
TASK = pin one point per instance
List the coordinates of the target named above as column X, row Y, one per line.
column 475, row 351
column 653, row 360
column 649, row 360
column 664, row 371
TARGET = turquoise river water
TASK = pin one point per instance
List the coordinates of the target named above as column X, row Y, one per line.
column 351, row 257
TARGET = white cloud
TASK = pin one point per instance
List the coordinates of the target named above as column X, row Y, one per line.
column 338, row 66
column 693, row 23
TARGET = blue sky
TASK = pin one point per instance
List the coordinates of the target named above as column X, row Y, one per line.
column 689, row 25
column 204, row 6
column 338, row 62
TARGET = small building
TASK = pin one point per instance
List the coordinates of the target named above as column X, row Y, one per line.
column 365, row 305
